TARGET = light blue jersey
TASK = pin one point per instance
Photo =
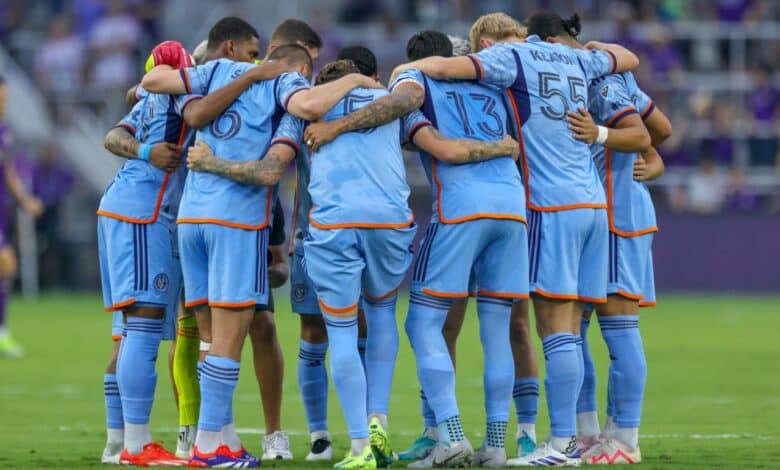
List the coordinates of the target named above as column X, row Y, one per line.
column 359, row 179
column 140, row 191
column 631, row 211
column 546, row 80
column 242, row 133
column 473, row 111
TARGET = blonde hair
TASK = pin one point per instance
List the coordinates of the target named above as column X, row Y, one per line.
column 497, row 26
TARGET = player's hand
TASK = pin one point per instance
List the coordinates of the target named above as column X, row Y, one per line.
column 582, row 125
column 200, row 157
column 320, row 133
column 33, row 206
column 512, row 143
column 267, row 70
column 170, row 53
column 596, row 45
column 165, row 156
column 366, row 82
column 641, row 171
column 278, row 274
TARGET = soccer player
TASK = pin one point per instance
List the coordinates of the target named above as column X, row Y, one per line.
column 139, row 263
column 568, row 222
column 268, row 357
column 260, row 173
column 8, row 264
column 222, row 222
column 459, row 217
column 624, row 162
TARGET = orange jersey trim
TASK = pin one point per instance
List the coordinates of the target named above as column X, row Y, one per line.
column 611, row 203
column 629, row 295
column 550, row 295
column 116, row 337
column 647, row 304
column 503, row 295
column 160, row 193
column 527, row 175
column 196, row 303
column 446, row 295
column 360, row 224
column 339, row 312
column 467, row 218
column 268, row 199
column 120, row 305
column 295, row 214
column 248, row 303
column 593, row 300
column 620, row 115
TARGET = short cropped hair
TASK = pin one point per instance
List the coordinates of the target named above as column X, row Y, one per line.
column 460, row 46
column 294, row 54
column 362, row 57
column 428, row 43
column 291, row 31
column 495, row 25
column 230, row 28
column 335, row 70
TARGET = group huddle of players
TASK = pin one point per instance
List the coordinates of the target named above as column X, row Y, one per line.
column 536, row 148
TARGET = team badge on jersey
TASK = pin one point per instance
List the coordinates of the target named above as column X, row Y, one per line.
column 299, row 292
column 161, row 282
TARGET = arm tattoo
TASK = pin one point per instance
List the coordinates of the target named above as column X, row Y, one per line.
column 470, row 151
column 398, row 103
column 263, row 172
column 121, row 143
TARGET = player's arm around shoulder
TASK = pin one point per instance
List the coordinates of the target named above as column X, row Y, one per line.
column 455, row 151
column 313, row 103
column 265, row 172
column 403, row 98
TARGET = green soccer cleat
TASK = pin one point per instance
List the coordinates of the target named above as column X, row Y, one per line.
column 420, row 448
column 10, row 348
column 380, row 444
column 363, row 461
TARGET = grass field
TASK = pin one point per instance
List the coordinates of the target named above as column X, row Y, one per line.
column 713, row 395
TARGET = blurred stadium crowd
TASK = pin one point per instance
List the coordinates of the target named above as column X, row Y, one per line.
column 711, row 64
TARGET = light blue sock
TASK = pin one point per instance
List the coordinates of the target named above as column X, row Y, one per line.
column 347, row 373
column 381, row 352
column 561, row 385
column 526, row 397
column 429, row 419
column 361, row 342
column 135, row 372
column 218, row 379
column 587, row 397
column 628, row 369
column 499, row 373
column 434, row 367
column 313, row 384
column 114, row 418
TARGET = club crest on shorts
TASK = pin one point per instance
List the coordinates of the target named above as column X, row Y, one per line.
column 161, row 282
column 299, row 292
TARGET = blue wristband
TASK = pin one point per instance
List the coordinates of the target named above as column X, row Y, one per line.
column 143, row 152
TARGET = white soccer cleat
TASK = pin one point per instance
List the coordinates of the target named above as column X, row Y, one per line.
column 457, row 455
column 112, row 452
column 321, row 449
column 489, row 457
column 186, row 441
column 612, row 452
column 586, row 443
column 545, row 456
column 276, row 446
